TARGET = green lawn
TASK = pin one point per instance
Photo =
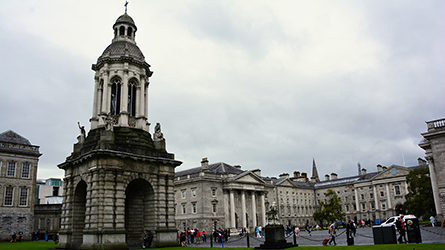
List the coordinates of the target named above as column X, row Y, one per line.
column 42, row 245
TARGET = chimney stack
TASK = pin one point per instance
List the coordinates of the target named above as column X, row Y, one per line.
column 284, row 175
column 421, row 162
column 363, row 171
column 204, row 164
column 296, row 174
column 326, row 177
column 379, row 168
column 238, row 166
column 333, row 176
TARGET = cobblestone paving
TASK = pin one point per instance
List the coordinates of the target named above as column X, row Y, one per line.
column 363, row 236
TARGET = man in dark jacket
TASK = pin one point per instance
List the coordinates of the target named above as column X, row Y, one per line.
column 401, row 229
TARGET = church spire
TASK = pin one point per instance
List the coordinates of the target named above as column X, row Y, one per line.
column 314, row 170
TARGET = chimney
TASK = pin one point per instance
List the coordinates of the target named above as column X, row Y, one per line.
column 326, row 177
column 284, row 175
column 313, row 179
column 384, row 168
column 256, row 171
column 238, row 166
column 363, row 171
column 379, row 168
column 421, row 162
column 333, row 176
column 296, row 174
column 204, row 164
column 304, row 175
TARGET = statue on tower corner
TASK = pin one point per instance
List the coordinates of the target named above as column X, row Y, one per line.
column 158, row 136
column 108, row 123
column 81, row 137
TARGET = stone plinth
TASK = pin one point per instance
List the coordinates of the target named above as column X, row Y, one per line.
column 275, row 238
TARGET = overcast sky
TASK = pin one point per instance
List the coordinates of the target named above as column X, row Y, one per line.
column 261, row 84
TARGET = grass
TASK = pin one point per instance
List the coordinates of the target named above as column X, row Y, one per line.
column 43, row 245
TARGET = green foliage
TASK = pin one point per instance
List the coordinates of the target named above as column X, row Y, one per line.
column 419, row 200
column 330, row 210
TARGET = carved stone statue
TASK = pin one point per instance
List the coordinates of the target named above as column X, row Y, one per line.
column 82, row 135
column 272, row 215
column 158, row 134
column 108, row 123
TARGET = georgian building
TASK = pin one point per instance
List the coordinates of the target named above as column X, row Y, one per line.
column 18, row 171
column 220, row 195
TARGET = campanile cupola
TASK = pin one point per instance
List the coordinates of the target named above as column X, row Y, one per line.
column 121, row 81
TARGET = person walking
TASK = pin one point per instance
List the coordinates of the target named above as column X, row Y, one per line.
column 401, row 230
column 332, row 233
column 308, row 229
column 432, row 220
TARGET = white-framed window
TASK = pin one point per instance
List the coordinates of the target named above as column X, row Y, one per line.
column 372, row 205
column 213, row 191
column 353, row 197
column 363, row 206
column 347, row 207
column 355, row 207
column 382, row 193
column 193, row 192
column 397, row 190
column 23, row 196
column 194, row 208
column 383, row 205
column 25, row 170
column 363, row 196
column 214, row 207
column 8, row 196
column 371, row 195
column 183, row 194
column 11, row 169
column 183, row 209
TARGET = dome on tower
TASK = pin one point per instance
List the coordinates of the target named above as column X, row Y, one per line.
column 125, row 19
column 122, row 48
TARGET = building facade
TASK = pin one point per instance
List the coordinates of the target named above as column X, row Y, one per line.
column 18, row 171
column 434, row 146
column 220, row 195
column 119, row 179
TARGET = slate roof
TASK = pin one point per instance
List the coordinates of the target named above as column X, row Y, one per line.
column 12, row 137
column 216, row 168
column 125, row 18
column 122, row 48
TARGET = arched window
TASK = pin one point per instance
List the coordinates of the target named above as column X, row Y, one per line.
column 129, row 31
column 132, row 98
column 115, row 96
column 122, row 31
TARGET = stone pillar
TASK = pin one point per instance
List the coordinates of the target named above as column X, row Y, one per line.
column 263, row 210
column 388, row 198
column 106, row 94
column 356, row 202
column 253, row 211
column 232, row 210
column 436, row 193
column 376, row 200
column 243, row 209
column 123, row 117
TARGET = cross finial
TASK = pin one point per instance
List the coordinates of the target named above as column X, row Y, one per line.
column 126, row 3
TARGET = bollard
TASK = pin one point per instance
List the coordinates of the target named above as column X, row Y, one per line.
column 248, row 241
column 211, row 240
column 295, row 239
column 222, row 241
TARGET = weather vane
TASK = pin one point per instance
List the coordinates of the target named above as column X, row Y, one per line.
column 126, row 3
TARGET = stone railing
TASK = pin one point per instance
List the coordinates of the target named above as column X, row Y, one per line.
column 436, row 125
column 19, row 146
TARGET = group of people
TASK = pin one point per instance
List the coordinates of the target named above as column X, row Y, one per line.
column 193, row 235
column 400, row 225
column 15, row 238
column 259, row 231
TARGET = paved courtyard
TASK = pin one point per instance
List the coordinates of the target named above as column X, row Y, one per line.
column 363, row 236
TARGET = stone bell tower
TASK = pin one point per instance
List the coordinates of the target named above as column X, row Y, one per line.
column 119, row 179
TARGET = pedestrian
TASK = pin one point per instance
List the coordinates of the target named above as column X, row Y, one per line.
column 188, row 233
column 14, row 236
column 432, row 219
column 401, row 230
column 146, row 239
column 204, row 236
column 198, row 236
column 183, row 238
column 308, row 229
column 257, row 232
column 297, row 231
column 332, row 233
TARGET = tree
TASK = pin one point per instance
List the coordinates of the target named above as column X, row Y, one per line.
column 329, row 210
column 419, row 200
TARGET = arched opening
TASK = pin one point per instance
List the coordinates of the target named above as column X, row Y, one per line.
column 139, row 211
column 131, row 105
column 80, row 195
column 129, row 31
column 115, row 96
column 122, row 31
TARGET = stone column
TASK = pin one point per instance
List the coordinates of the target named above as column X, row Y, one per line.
column 253, row 211
column 105, row 95
column 96, row 95
column 435, row 187
column 388, row 198
column 232, row 209
column 376, row 200
column 263, row 210
column 356, row 202
column 243, row 209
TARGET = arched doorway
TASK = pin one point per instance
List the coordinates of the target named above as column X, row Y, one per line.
column 80, row 197
column 139, row 211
